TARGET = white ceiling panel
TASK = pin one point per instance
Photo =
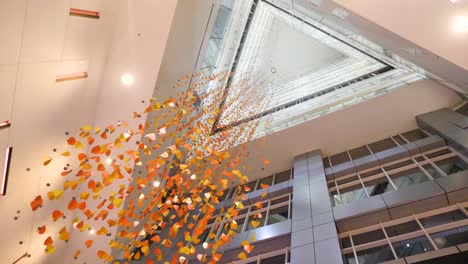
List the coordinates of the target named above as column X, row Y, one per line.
column 44, row 29
column 11, row 27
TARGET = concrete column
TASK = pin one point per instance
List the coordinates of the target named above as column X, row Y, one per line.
column 314, row 238
column 450, row 125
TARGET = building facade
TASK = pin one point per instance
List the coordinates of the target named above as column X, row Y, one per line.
column 402, row 199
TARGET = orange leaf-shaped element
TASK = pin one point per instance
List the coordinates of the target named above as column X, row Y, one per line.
column 65, row 173
column 49, row 241
column 266, row 162
column 41, row 230
column 36, row 203
column 56, row 215
column 88, row 243
column 102, row 254
column 71, row 141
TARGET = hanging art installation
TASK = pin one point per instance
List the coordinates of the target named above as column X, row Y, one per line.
column 158, row 185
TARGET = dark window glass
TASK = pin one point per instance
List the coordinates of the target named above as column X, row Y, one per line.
column 345, row 242
column 379, row 186
column 463, row 110
column 411, row 247
column 349, row 258
column 335, row 199
column 267, row 180
column 399, row 139
column 258, row 217
column 278, row 215
column 398, row 165
column 409, row 177
column 279, row 200
column 441, row 219
column 352, row 194
column 414, row 135
column 438, row 153
column 420, row 159
column 451, row 237
column 375, row 255
column 283, row 176
column 368, row 237
column 401, row 229
column 452, row 165
column 280, row 259
column 360, row 152
column 339, row 158
column 326, row 163
column 432, row 171
column 382, row 145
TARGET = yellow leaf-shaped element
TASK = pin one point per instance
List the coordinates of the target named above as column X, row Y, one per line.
column 145, row 250
column 242, row 255
column 255, row 224
column 66, row 154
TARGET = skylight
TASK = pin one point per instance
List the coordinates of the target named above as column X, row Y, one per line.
column 308, row 69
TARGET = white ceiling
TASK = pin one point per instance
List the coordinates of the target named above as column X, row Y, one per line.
column 40, row 40
column 293, row 53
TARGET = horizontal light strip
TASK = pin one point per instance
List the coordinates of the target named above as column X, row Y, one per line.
column 5, row 124
column 84, row 13
column 71, row 77
column 6, row 168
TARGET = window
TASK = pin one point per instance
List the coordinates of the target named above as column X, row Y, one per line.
column 352, row 194
column 414, row 135
column 266, row 181
column 379, row 186
column 360, row 152
column 412, row 246
column 382, row 145
column 409, row 177
column 451, row 237
column 283, row 176
column 438, row 228
column 278, row 215
column 452, row 165
column 432, row 171
column 339, row 158
column 399, row 139
column 368, row 237
column 401, row 229
column 375, row 255
column 444, row 218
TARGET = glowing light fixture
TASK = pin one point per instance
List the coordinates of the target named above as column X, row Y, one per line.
column 460, row 24
column 156, row 184
column 127, row 79
column 109, row 161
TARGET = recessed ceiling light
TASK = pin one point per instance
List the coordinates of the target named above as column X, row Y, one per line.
column 109, row 161
column 127, row 79
column 460, row 24
column 92, row 231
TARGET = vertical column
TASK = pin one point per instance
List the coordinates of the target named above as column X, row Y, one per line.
column 450, row 125
column 314, row 238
